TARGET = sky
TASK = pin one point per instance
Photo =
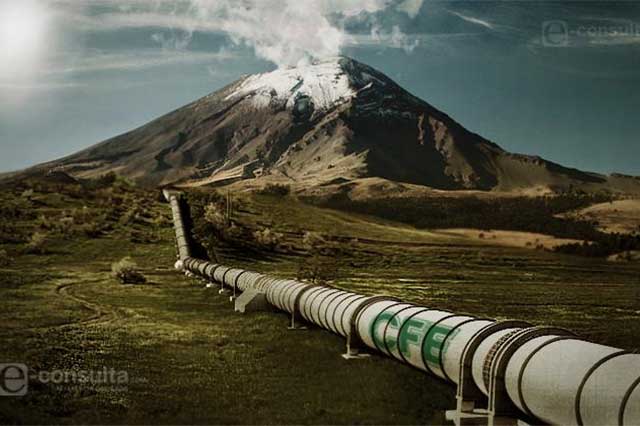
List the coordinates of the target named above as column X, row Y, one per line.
column 559, row 79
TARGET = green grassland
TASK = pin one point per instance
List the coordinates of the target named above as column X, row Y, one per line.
column 191, row 360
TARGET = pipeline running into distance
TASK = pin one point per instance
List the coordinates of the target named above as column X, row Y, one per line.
column 546, row 374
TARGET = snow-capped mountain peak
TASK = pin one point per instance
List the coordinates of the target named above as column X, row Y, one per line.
column 324, row 84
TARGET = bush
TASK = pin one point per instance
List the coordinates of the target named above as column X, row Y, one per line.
column 9, row 234
column 276, row 190
column 37, row 244
column 92, row 230
column 5, row 259
column 140, row 236
column 267, row 238
column 317, row 270
column 313, row 241
column 126, row 271
column 215, row 216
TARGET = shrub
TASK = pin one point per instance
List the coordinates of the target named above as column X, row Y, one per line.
column 37, row 244
column 214, row 215
column 317, row 270
column 5, row 259
column 92, row 230
column 267, row 238
column 9, row 234
column 65, row 227
column 162, row 221
column 139, row 236
column 313, row 240
column 126, row 271
column 276, row 190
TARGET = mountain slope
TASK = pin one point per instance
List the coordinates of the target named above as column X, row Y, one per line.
column 332, row 121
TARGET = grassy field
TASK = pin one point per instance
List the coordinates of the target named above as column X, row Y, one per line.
column 191, row 360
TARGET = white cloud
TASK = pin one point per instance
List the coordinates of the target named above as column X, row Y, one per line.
column 410, row 7
column 471, row 19
column 394, row 39
column 40, row 86
column 285, row 32
column 97, row 61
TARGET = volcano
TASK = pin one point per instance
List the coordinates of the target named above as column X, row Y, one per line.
column 335, row 120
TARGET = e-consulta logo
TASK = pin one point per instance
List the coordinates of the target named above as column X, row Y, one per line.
column 14, row 379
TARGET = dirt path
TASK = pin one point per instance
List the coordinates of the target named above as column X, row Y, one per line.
column 67, row 288
column 102, row 314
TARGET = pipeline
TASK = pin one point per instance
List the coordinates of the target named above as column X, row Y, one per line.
column 518, row 371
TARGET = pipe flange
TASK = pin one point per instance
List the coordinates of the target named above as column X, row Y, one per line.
column 468, row 389
column 496, row 365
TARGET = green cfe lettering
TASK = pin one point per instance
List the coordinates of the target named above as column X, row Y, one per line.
column 378, row 327
column 433, row 344
column 411, row 335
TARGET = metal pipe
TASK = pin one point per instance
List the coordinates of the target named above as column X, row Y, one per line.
column 546, row 374
column 184, row 250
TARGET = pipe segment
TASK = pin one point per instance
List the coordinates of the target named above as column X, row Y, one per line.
column 178, row 225
column 548, row 374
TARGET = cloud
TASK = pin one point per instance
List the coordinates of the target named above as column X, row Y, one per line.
column 471, row 19
column 97, row 61
column 394, row 39
column 410, row 7
column 285, row 32
column 41, row 86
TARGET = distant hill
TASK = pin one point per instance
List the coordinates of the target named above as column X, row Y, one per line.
column 332, row 122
